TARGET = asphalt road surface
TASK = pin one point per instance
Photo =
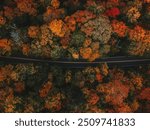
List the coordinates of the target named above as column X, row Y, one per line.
column 122, row 61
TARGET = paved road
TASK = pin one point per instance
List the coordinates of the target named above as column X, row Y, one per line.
column 112, row 61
